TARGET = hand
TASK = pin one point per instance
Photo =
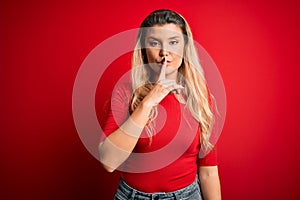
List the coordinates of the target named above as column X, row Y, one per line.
column 161, row 89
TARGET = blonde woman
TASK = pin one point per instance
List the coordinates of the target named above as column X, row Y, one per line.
column 158, row 124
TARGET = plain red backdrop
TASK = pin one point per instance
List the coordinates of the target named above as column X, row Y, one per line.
column 255, row 45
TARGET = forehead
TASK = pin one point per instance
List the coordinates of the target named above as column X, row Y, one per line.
column 164, row 31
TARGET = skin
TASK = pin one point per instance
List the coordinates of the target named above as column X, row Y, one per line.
column 162, row 42
column 165, row 41
column 210, row 182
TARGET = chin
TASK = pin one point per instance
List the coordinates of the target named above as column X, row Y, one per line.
column 171, row 71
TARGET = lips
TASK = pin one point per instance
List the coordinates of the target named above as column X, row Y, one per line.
column 163, row 60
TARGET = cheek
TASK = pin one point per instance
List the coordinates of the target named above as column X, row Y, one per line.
column 150, row 53
column 178, row 62
column 178, row 52
column 178, row 55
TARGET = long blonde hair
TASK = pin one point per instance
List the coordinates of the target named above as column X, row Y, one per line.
column 191, row 75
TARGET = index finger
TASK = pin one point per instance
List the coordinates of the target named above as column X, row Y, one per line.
column 162, row 75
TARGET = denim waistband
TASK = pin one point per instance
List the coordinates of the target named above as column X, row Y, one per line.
column 126, row 192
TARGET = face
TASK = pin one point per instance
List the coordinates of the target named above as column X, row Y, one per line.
column 165, row 41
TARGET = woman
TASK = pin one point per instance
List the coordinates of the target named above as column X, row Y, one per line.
column 166, row 103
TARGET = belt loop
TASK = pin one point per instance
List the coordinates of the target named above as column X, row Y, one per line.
column 176, row 196
column 132, row 195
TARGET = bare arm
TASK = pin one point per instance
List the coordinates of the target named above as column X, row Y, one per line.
column 210, row 182
column 117, row 147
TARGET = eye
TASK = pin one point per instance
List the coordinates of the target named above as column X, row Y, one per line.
column 154, row 43
column 174, row 42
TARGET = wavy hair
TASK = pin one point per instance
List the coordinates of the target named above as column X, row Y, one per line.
column 196, row 95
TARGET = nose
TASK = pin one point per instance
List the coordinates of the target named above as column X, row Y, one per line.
column 163, row 52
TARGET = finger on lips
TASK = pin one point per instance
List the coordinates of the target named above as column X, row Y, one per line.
column 162, row 75
column 167, row 84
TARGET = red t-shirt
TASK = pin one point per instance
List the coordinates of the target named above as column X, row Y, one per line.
column 169, row 160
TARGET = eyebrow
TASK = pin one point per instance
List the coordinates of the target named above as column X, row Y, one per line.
column 173, row 37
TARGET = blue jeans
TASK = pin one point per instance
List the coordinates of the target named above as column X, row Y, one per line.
column 190, row 192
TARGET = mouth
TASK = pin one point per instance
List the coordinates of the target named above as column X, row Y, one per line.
column 163, row 61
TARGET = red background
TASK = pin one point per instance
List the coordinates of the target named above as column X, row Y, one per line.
column 255, row 45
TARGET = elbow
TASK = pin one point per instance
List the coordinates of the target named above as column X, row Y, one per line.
column 104, row 159
column 208, row 173
column 108, row 168
column 111, row 156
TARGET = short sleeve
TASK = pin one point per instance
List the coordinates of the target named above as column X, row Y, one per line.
column 209, row 159
column 118, row 110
